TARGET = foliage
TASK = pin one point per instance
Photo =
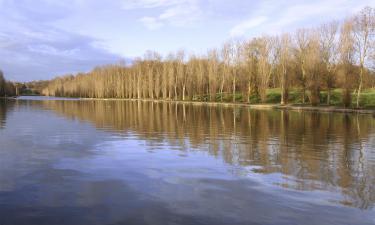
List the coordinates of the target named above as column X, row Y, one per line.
column 6, row 88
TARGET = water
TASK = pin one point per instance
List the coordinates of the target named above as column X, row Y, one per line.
column 131, row 162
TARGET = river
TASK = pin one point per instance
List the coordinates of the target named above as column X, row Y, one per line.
column 70, row 161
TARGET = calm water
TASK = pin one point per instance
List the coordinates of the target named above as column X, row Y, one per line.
column 129, row 162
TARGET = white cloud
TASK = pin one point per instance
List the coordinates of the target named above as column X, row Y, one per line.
column 170, row 12
column 138, row 4
column 32, row 48
column 50, row 50
column 275, row 17
column 244, row 26
column 151, row 23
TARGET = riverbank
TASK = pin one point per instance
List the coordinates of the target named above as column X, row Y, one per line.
column 9, row 97
column 269, row 106
column 292, row 107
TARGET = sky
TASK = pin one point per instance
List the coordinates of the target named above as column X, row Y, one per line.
column 41, row 39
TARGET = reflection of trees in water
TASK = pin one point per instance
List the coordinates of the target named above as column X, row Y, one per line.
column 4, row 107
column 317, row 151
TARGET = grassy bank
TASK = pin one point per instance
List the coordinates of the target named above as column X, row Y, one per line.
column 367, row 100
column 273, row 100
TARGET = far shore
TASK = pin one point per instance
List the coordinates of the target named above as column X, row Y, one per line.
column 292, row 107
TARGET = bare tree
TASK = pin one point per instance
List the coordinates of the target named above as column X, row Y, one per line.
column 328, row 48
column 346, row 58
column 302, row 42
column 364, row 31
column 266, row 58
column 2, row 84
column 236, row 54
column 283, row 57
column 313, row 68
column 181, row 72
column 251, row 76
column 213, row 71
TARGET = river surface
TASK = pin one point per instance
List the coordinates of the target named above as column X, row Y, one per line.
column 66, row 161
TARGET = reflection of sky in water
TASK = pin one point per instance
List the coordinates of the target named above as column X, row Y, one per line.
column 52, row 168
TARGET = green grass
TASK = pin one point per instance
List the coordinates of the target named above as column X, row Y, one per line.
column 368, row 98
column 274, row 96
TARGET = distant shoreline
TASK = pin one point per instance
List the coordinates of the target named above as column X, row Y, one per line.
column 291, row 107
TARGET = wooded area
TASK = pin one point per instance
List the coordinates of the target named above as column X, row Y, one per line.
column 334, row 56
column 6, row 88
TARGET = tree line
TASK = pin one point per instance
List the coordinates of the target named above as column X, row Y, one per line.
column 335, row 55
column 7, row 88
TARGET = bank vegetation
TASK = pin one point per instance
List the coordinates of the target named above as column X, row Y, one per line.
column 7, row 88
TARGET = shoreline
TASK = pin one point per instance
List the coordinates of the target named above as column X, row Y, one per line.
column 290, row 107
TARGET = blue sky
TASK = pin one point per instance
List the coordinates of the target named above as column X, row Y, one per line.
column 40, row 39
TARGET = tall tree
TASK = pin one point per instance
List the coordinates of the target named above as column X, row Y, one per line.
column 313, row 68
column 2, row 84
column 364, row 34
column 265, row 61
column 328, row 48
column 213, row 71
column 251, row 77
column 302, row 42
column 346, row 59
column 283, row 58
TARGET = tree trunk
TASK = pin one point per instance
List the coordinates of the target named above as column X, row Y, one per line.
column 234, row 90
column 284, row 96
column 360, row 86
column 346, row 96
column 303, row 95
column 284, row 91
column 175, row 92
column 314, row 96
column 221, row 91
column 248, row 92
column 183, row 92
column 329, row 96
column 303, row 83
column 138, row 92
